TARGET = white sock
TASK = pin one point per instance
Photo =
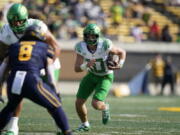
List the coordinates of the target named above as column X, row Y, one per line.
column 86, row 124
column 13, row 124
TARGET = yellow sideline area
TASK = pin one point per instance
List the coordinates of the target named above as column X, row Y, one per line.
column 4, row 2
column 171, row 109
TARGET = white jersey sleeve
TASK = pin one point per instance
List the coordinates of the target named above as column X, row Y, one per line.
column 78, row 48
column 7, row 36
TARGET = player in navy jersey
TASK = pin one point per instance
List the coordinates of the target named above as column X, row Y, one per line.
column 25, row 59
column 18, row 20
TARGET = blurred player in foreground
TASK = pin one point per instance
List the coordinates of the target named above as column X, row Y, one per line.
column 92, row 55
column 10, row 33
column 25, row 59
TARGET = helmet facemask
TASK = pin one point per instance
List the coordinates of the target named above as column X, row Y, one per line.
column 91, row 39
column 18, row 26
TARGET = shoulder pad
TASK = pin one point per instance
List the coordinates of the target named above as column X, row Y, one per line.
column 107, row 44
column 78, row 48
column 3, row 29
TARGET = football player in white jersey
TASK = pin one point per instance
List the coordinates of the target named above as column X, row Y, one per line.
column 92, row 54
column 10, row 33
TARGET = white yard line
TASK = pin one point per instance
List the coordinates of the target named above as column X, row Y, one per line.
column 128, row 115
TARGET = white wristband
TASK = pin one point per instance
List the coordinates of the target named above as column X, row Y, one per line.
column 83, row 66
column 121, row 63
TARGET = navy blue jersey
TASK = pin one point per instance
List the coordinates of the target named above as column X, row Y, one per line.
column 28, row 56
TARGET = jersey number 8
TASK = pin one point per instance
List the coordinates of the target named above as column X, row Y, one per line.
column 25, row 51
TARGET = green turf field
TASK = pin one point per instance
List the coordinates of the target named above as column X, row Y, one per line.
column 138, row 115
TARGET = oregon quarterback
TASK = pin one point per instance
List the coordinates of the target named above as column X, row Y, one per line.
column 92, row 54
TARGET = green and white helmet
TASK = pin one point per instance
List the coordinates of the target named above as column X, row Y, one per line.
column 17, row 12
column 91, row 29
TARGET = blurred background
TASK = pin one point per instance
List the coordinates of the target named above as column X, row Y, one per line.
column 146, row 29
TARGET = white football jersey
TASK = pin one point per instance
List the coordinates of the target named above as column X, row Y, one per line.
column 7, row 36
column 101, row 54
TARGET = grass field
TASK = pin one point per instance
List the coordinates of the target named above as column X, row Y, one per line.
column 133, row 115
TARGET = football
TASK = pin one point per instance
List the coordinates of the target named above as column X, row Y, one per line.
column 112, row 60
